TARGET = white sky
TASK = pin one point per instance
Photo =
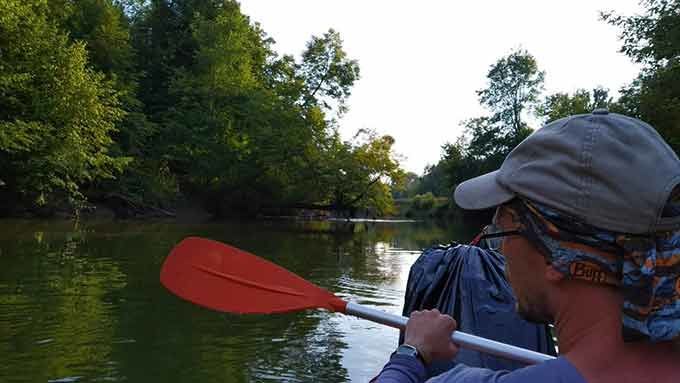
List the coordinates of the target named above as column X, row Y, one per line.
column 422, row 61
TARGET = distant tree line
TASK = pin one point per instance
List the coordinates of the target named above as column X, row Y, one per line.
column 514, row 90
column 158, row 100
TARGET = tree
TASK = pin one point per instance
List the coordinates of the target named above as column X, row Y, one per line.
column 182, row 97
column 222, row 124
column 456, row 164
column 432, row 181
column 560, row 105
column 360, row 174
column 104, row 26
column 514, row 86
column 56, row 114
column 653, row 39
column 327, row 72
column 410, row 187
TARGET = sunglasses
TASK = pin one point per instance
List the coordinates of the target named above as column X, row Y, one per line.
column 493, row 235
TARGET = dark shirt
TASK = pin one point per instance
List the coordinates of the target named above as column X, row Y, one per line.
column 405, row 369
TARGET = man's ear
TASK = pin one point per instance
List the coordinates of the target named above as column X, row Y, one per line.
column 552, row 275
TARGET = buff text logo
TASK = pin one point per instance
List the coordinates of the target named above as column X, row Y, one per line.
column 588, row 272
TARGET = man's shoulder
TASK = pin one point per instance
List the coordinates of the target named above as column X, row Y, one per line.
column 559, row 370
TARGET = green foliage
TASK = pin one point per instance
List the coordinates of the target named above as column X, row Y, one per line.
column 327, row 72
column 56, row 114
column 423, row 201
column 561, row 105
column 425, row 206
column 219, row 103
column 147, row 180
column 360, row 174
column 514, row 86
column 161, row 99
column 410, row 185
column 653, row 39
column 104, row 29
column 515, row 83
column 433, row 180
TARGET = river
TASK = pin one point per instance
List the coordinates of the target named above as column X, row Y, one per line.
column 82, row 302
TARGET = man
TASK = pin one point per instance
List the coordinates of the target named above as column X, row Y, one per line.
column 589, row 210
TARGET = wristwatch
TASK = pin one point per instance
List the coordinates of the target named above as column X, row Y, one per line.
column 408, row 350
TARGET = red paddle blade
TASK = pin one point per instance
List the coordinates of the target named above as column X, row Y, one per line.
column 224, row 278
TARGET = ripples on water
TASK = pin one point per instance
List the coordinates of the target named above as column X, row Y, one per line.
column 82, row 303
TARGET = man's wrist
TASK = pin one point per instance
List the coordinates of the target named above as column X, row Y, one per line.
column 411, row 351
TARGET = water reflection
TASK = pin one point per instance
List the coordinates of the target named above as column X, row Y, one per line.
column 83, row 302
column 369, row 344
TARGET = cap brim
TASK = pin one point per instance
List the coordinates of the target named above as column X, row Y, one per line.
column 481, row 192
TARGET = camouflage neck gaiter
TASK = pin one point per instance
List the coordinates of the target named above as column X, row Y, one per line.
column 645, row 267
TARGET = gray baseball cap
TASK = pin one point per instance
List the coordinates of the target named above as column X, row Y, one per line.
column 608, row 170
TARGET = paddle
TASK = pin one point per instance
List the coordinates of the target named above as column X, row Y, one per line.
column 224, row 278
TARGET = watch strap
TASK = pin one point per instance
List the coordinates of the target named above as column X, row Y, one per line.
column 409, row 350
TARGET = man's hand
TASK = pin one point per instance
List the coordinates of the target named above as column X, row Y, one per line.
column 430, row 332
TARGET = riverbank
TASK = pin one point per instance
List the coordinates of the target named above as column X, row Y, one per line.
column 429, row 207
column 120, row 207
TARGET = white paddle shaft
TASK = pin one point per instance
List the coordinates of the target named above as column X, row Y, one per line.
column 462, row 339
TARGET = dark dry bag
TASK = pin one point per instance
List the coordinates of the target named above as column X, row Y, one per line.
column 468, row 283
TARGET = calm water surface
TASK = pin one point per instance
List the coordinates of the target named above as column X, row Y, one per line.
column 83, row 303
